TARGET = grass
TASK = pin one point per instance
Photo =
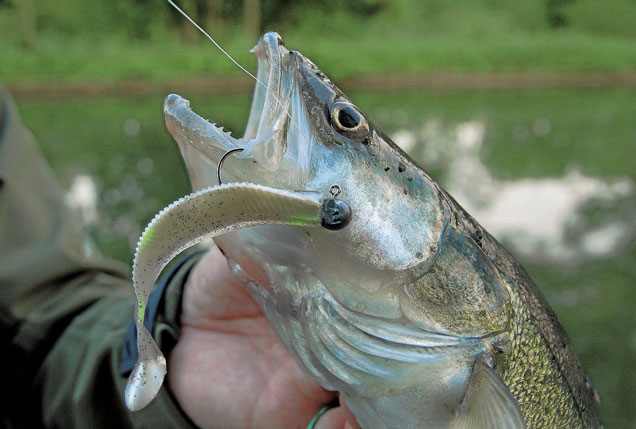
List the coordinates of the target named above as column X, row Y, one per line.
column 117, row 58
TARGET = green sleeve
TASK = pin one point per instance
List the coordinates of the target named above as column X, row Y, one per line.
column 64, row 314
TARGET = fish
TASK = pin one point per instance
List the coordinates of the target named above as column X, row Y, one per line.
column 375, row 279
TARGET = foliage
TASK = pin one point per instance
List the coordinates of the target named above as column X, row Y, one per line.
column 147, row 19
column 608, row 17
column 147, row 39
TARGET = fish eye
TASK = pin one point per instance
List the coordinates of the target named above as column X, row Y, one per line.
column 348, row 118
column 348, row 121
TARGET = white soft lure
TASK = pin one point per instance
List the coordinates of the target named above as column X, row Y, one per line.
column 200, row 216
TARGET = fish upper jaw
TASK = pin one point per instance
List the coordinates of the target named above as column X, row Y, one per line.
column 271, row 117
column 269, row 73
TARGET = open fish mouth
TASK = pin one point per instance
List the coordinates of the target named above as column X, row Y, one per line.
column 269, row 127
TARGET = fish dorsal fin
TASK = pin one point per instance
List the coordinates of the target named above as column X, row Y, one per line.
column 488, row 403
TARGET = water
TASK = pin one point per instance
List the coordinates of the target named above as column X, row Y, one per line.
column 550, row 173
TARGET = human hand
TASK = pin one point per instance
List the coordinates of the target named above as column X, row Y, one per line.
column 228, row 368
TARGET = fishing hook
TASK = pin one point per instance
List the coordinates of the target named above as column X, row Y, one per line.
column 225, row 155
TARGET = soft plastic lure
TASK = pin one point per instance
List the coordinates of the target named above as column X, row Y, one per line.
column 197, row 217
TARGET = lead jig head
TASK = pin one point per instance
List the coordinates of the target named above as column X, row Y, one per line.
column 336, row 214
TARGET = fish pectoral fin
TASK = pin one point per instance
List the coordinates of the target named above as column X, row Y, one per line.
column 488, row 403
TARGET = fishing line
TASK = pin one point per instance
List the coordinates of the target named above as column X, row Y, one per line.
column 215, row 42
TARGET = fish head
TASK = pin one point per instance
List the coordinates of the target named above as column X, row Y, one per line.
column 304, row 133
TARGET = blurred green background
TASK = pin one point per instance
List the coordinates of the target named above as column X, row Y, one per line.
column 525, row 111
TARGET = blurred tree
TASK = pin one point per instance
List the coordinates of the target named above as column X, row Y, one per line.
column 252, row 19
column 28, row 24
column 607, row 17
column 194, row 9
column 281, row 12
column 99, row 19
column 366, row 7
column 555, row 15
column 213, row 16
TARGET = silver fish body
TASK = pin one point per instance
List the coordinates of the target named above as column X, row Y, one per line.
column 413, row 312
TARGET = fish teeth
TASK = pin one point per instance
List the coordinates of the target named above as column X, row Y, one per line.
column 223, row 130
column 220, row 128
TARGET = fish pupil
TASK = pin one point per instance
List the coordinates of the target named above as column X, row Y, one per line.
column 348, row 117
